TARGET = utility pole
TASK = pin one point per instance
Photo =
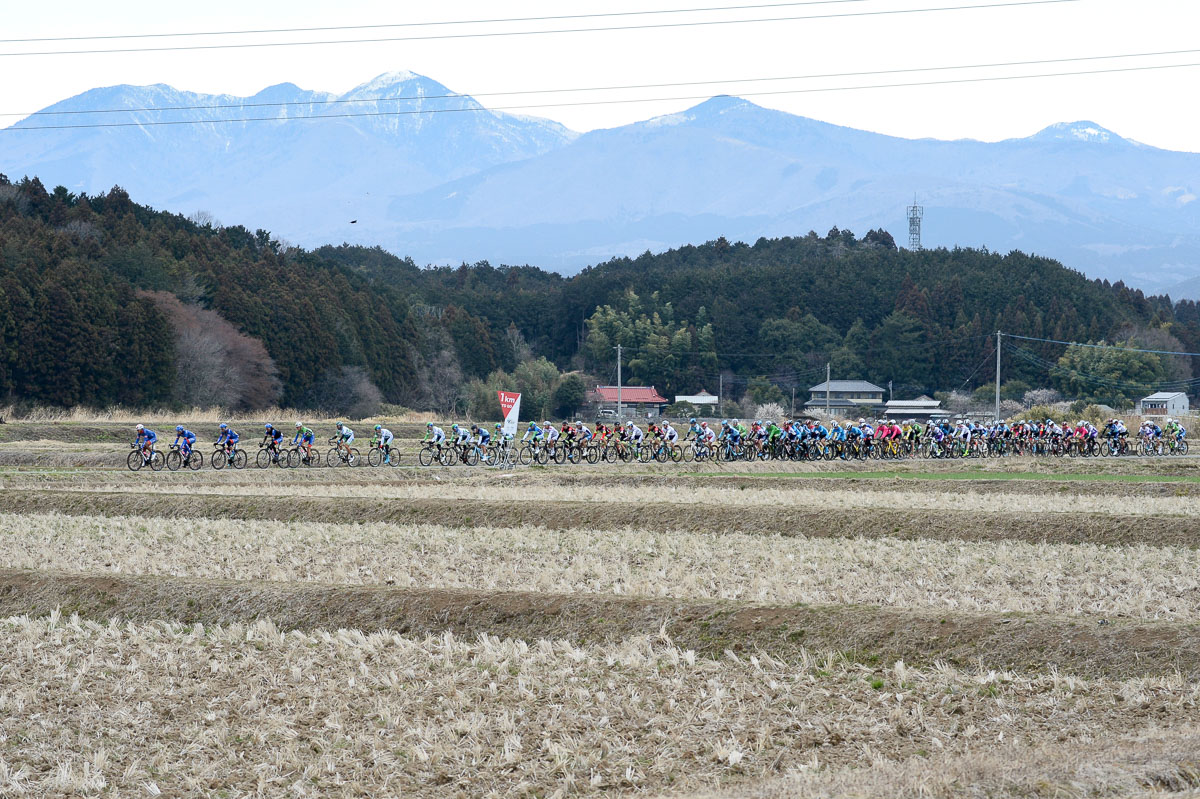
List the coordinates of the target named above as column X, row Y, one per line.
column 793, row 401
column 998, row 334
column 826, row 389
column 618, row 382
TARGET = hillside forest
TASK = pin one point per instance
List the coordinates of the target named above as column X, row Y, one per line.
column 104, row 301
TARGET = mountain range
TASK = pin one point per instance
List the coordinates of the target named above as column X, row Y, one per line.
column 437, row 176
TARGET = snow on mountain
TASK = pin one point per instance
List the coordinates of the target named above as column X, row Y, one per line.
column 303, row 179
column 466, row 183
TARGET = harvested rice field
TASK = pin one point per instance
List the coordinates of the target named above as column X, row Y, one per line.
column 1023, row 628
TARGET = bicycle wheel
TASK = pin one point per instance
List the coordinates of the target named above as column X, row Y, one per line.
column 263, row 459
column 333, row 457
column 353, row 457
column 676, row 453
column 426, row 455
column 1182, row 447
column 195, row 461
column 471, row 457
column 174, row 460
column 375, row 456
column 135, row 460
column 157, row 461
column 448, row 456
column 219, row 459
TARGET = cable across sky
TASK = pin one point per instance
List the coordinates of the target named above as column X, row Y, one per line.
column 582, row 103
column 623, row 87
column 489, row 34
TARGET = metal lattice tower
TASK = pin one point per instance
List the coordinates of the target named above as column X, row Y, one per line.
column 915, row 214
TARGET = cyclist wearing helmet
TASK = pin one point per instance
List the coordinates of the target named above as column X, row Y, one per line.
column 462, row 436
column 229, row 438
column 189, row 440
column 584, row 432
column 273, row 438
column 304, row 439
column 483, row 438
column 384, row 437
column 146, row 439
column 532, row 432
column 434, row 434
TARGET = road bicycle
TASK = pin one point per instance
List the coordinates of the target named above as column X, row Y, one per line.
column 136, row 460
column 341, row 454
column 431, row 453
column 298, row 456
column 223, row 457
column 176, row 459
column 269, row 454
column 377, row 457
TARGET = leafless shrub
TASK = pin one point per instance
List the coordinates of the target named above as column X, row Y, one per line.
column 348, row 391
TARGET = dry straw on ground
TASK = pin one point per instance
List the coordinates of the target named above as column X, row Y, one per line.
column 131, row 709
column 854, row 499
column 1136, row 581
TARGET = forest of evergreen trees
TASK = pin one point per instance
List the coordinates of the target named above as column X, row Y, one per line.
column 106, row 301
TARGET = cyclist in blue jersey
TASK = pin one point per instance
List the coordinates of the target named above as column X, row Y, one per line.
column 189, row 440
column 146, row 439
column 229, row 439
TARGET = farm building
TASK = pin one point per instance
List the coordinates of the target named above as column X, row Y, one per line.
column 635, row 400
column 1164, row 403
column 844, row 396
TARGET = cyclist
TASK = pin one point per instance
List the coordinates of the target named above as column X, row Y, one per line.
column 229, row 438
column 668, row 433
column 480, row 437
column 384, row 437
column 550, row 434
column 146, row 439
column 434, row 434
column 532, row 433
column 774, row 432
column 273, row 438
column 343, row 438
column 585, row 434
column 707, row 436
column 635, row 435
column 694, row 430
column 189, row 440
column 304, row 439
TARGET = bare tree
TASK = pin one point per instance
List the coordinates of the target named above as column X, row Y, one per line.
column 346, row 390
column 203, row 219
column 216, row 364
column 444, row 382
column 1041, row 396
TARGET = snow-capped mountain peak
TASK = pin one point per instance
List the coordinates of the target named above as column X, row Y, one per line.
column 1083, row 131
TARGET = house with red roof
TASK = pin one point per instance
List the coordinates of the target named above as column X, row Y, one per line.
column 635, row 400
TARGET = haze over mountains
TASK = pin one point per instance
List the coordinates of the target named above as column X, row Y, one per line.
column 467, row 184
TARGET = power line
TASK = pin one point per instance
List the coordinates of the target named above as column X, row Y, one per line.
column 1100, row 346
column 1064, row 371
column 583, row 103
column 451, row 95
column 487, row 34
column 181, row 34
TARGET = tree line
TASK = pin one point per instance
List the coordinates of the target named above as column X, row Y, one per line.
column 104, row 301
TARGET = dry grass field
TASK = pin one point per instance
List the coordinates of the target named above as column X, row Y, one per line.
column 1014, row 628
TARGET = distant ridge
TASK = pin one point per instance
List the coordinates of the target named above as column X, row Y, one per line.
column 453, row 187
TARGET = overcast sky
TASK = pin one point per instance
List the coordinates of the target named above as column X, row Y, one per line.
column 1156, row 107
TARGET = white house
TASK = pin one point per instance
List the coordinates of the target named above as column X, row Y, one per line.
column 1164, row 403
column 703, row 398
column 922, row 408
